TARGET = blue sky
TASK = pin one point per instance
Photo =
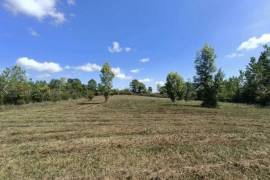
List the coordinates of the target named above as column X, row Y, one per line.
column 142, row 39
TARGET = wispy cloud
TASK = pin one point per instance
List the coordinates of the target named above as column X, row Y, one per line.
column 88, row 67
column 234, row 55
column 33, row 32
column 38, row 9
column 96, row 68
column 146, row 80
column 71, row 2
column 135, row 71
column 32, row 64
column 144, row 60
column 116, row 48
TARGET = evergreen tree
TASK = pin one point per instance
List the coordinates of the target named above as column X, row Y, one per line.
column 205, row 79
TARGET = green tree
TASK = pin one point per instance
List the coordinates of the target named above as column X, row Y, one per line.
column 137, row 87
column 190, row 91
column 106, row 78
column 92, row 85
column 75, row 88
column 16, row 88
column 205, row 78
column 40, row 91
column 257, row 79
column 90, row 95
column 161, row 89
column 59, row 89
column 174, row 86
column 150, row 90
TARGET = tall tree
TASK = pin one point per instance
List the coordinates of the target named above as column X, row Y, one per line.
column 205, row 82
column 263, row 90
column 174, row 86
column 257, row 79
column 106, row 78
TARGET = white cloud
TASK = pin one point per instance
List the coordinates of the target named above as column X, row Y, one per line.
column 119, row 74
column 116, row 48
column 145, row 60
column 254, row 42
column 88, row 68
column 162, row 83
column 33, row 32
column 127, row 49
column 146, row 80
column 49, row 67
column 39, row 9
column 96, row 68
column 234, row 55
column 135, row 71
column 71, row 2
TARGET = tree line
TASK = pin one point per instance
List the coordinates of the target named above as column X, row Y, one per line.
column 209, row 84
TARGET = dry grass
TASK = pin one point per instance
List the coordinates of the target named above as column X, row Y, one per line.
column 134, row 138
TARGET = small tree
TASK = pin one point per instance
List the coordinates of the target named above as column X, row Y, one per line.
column 92, row 85
column 90, row 95
column 106, row 78
column 161, row 89
column 150, row 90
column 137, row 87
column 16, row 88
column 174, row 86
column 190, row 91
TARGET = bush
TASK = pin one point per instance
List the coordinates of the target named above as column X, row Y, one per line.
column 36, row 96
column 55, row 96
column 90, row 95
column 65, row 96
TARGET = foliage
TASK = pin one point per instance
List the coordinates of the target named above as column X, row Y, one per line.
column 92, row 85
column 137, row 87
column 150, row 90
column 251, row 86
column 174, row 86
column 257, row 79
column 106, row 78
column 90, row 95
column 190, row 91
column 206, row 81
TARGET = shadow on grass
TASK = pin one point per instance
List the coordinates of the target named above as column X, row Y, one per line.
column 89, row 103
column 183, row 105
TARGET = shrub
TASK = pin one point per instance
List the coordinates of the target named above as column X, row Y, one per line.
column 90, row 95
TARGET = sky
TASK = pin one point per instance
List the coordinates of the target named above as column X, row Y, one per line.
column 140, row 39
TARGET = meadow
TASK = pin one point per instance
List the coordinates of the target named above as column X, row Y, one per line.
column 133, row 137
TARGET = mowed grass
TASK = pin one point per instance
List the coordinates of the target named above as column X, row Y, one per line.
column 134, row 138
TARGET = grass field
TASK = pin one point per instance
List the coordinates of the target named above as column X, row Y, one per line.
column 134, row 138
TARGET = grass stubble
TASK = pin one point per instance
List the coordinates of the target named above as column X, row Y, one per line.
column 134, row 138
